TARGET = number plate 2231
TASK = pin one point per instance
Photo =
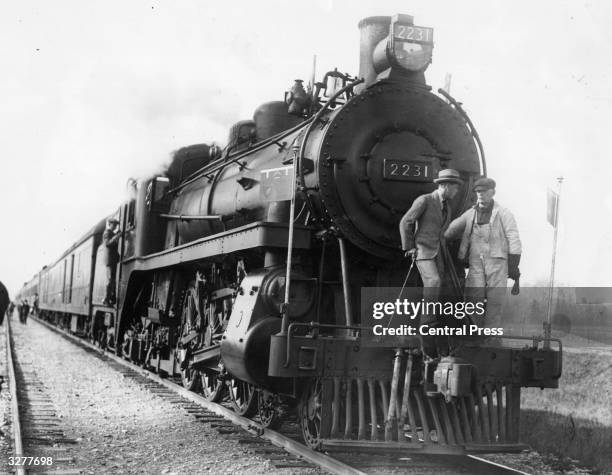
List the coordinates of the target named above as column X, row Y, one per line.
column 407, row 170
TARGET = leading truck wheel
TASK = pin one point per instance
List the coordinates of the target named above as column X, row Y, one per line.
column 310, row 410
column 269, row 408
column 243, row 397
column 212, row 386
column 189, row 376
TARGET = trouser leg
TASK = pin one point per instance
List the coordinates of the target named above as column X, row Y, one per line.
column 497, row 278
column 430, row 275
column 475, row 287
column 110, row 283
column 431, row 271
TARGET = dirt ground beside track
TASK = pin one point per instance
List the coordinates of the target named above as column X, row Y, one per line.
column 574, row 421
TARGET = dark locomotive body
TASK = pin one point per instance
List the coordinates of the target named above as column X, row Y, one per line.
column 321, row 181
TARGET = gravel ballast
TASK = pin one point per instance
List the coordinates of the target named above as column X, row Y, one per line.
column 119, row 426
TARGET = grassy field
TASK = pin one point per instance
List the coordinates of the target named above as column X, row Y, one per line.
column 575, row 420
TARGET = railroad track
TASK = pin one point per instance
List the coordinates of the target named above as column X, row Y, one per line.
column 284, row 449
column 39, row 442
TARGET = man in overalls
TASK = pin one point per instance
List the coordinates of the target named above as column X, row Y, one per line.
column 490, row 244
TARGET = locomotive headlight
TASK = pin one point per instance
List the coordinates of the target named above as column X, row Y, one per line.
column 407, row 46
column 412, row 56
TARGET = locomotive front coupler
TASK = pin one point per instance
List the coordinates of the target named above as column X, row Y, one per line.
column 448, row 376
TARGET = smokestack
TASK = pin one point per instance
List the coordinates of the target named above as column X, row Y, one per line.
column 373, row 29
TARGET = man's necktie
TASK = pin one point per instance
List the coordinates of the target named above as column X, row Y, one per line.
column 444, row 210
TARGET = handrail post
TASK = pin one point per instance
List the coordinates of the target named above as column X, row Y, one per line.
column 285, row 305
column 348, row 310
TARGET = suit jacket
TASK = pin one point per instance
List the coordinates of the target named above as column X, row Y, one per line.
column 110, row 242
column 426, row 215
column 504, row 238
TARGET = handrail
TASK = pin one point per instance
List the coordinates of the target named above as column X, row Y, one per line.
column 457, row 106
column 315, row 120
column 221, row 162
column 297, row 165
column 187, row 217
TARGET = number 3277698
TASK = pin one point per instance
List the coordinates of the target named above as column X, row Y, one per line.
column 27, row 461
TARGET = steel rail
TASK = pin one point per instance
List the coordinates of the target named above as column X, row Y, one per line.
column 293, row 447
column 17, row 440
column 491, row 467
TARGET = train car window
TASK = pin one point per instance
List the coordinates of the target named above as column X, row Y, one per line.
column 64, row 282
column 71, row 280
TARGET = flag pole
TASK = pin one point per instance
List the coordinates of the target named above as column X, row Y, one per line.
column 548, row 325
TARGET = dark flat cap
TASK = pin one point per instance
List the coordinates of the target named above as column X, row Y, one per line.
column 484, row 183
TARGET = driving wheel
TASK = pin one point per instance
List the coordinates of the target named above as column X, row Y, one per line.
column 243, row 398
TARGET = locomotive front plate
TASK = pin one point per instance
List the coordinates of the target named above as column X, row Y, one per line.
column 407, row 170
column 417, row 34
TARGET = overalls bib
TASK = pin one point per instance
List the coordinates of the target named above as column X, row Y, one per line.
column 487, row 277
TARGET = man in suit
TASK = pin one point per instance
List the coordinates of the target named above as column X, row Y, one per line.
column 110, row 257
column 491, row 245
column 4, row 301
column 25, row 311
column 422, row 234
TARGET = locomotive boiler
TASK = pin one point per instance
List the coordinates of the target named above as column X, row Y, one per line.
column 242, row 269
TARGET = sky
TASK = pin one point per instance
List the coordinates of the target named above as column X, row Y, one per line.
column 95, row 92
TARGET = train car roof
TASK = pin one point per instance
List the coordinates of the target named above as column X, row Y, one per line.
column 98, row 228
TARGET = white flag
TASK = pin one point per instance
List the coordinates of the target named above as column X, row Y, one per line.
column 552, row 202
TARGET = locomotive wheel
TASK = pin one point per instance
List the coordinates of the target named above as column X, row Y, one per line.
column 243, row 398
column 190, row 326
column 269, row 409
column 189, row 376
column 212, row 386
column 190, row 379
column 310, row 411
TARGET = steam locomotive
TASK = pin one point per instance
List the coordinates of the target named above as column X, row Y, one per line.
column 241, row 269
